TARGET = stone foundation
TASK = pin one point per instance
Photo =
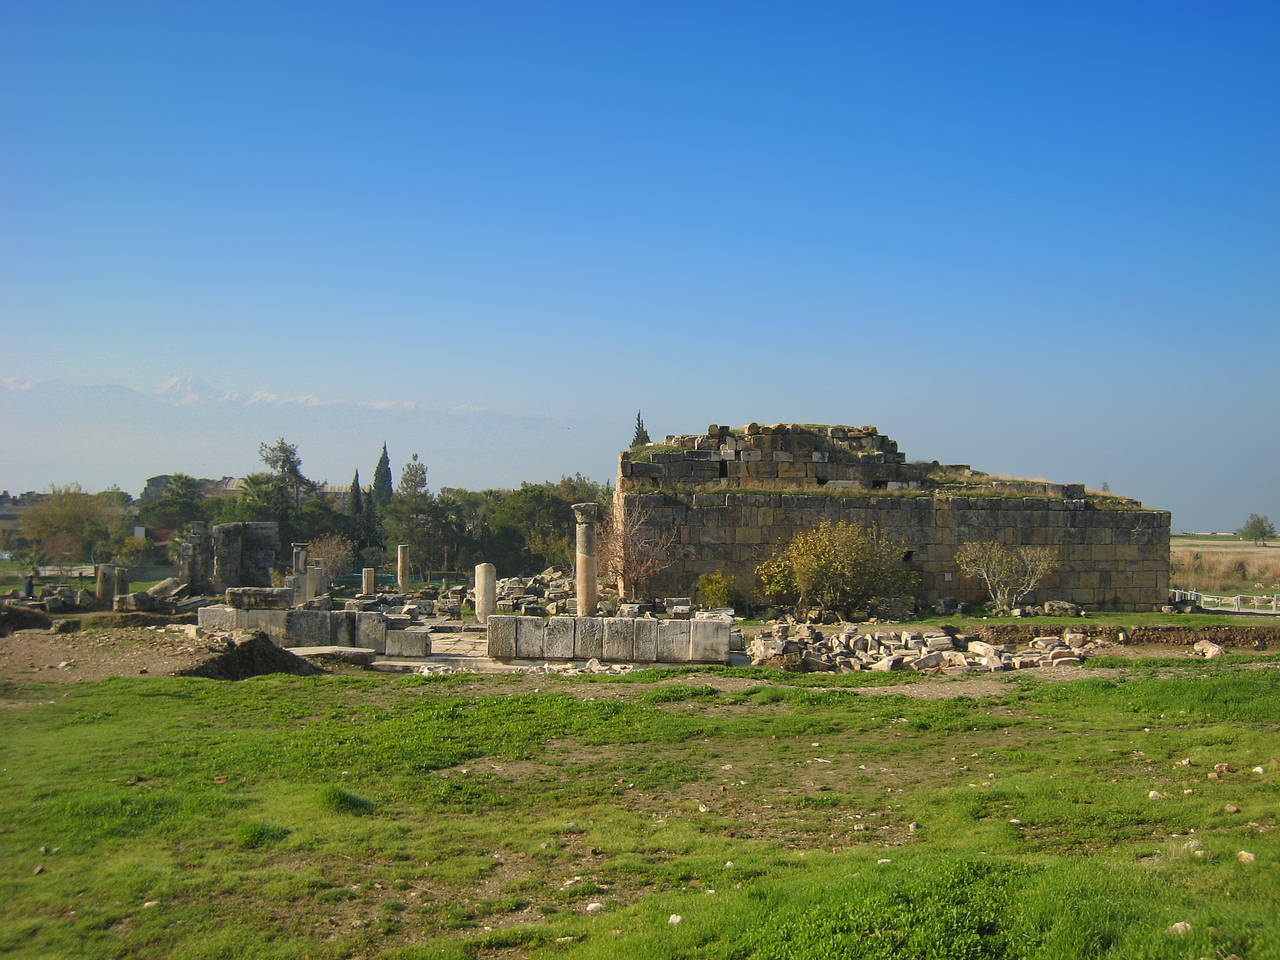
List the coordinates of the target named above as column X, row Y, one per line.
column 617, row 639
column 322, row 628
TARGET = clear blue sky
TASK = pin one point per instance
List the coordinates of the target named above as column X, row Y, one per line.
column 1041, row 238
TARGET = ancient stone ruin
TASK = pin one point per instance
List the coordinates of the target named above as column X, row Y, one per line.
column 732, row 496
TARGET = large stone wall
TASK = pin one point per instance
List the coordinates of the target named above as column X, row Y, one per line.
column 1111, row 558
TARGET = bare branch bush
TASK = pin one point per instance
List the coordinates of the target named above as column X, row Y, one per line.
column 1009, row 573
column 632, row 549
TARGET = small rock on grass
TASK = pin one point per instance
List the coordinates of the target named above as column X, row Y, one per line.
column 674, row 919
column 1181, row 928
column 1231, row 808
column 1244, row 856
column 595, row 906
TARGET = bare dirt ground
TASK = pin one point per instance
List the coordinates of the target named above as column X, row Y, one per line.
column 38, row 656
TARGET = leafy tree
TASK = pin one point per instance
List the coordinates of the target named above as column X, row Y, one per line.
column 838, row 566
column 183, row 502
column 382, row 480
column 282, row 459
column 641, row 436
column 1259, row 529
column 413, row 477
column 1009, row 573
column 93, row 526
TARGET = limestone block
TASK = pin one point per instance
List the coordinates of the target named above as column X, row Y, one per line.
column 619, row 639
column 371, row 632
column 709, row 641
column 216, row 619
column 529, row 638
column 502, row 637
column 557, row 642
column 673, row 641
column 306, row 628
column 259, row 598
column 342, row 628
column 271, row 622
column 410, row 642
column 588, row 638
column 645, row 649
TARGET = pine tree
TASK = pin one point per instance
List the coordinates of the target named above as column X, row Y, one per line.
column 355, row 502
column 641, row 435
column 381, row 492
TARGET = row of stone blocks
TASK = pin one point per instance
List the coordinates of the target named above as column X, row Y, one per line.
column 640, row 640
column 321, row 628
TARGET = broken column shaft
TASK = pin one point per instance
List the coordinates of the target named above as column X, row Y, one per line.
column 585, row 559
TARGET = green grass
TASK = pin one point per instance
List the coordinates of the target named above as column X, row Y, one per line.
column 467, row 816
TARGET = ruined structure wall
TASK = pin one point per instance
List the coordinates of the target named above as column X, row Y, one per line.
column 1111, row 559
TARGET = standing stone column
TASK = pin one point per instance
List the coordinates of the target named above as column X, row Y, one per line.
column 486, row 590
column 368, row 586
column 299, row 558
column 402, row 567
column 105, row 588
column 121, row 582
column 585, row 560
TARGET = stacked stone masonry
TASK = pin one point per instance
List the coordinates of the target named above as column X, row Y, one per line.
column 616, row 639
column 1114, row 559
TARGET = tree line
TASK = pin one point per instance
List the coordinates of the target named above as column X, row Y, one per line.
column 520, row 531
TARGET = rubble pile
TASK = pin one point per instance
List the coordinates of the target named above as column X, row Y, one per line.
column 551, row 590
column 805, row 649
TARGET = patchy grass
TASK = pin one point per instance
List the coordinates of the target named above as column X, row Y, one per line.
column 158, row 809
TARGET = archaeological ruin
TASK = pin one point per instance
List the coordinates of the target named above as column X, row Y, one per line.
column 732, row 496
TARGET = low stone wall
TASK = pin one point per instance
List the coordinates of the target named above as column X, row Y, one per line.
column 618, row 639
column 322, row 628
column 1256, row 636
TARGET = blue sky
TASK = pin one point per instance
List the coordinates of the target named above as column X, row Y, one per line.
column 1037, row 238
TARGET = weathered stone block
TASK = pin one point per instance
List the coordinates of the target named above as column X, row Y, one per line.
column 529, row 638
column 306, row 628
column 619, row 639
column 502, row 637
column 709, row 641
column 259, row 598
column 673, row 641
column 588, row 638
column 409, row 642
column 342, row 628
column 645, row 648
column 272, row 622
column 557, row 641
column 371, row 632
column 216, row 619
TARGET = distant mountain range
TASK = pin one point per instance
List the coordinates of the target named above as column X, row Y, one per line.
column 109, row 434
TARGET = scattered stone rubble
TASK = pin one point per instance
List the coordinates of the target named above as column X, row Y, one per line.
column 551, row 590
column 805, row 649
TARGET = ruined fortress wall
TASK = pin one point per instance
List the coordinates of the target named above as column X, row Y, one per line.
column 1110, row 559
column 732, row 496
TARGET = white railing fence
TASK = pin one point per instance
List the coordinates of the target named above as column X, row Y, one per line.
column 1240, row 603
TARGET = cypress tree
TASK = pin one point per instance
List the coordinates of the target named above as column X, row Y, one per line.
column 641, row 435
column 381, row 493
column 355, row 502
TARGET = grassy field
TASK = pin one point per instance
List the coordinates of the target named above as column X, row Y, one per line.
column 483, row 817
column 1223, row 564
